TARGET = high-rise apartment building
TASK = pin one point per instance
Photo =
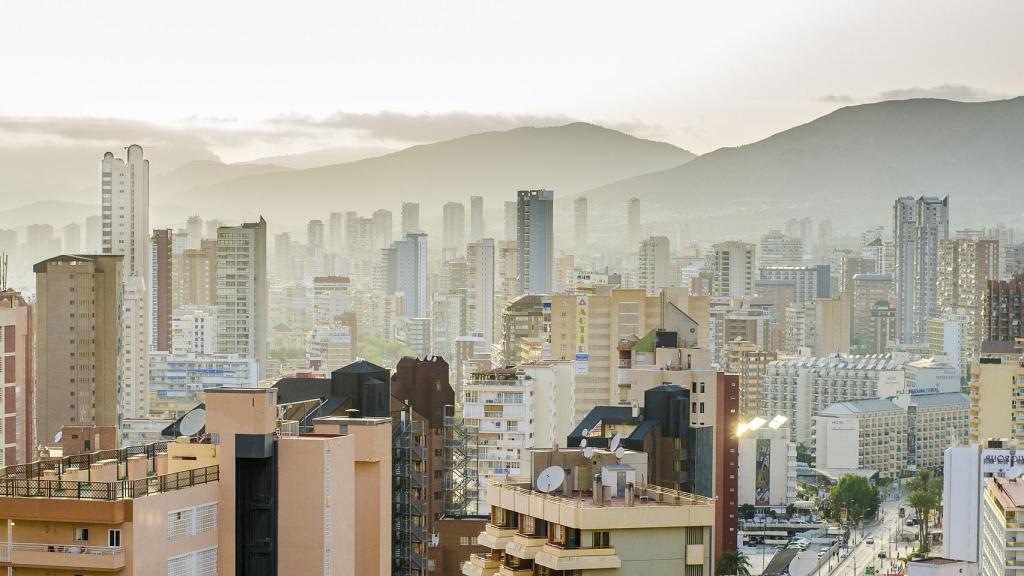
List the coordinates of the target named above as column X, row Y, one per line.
column 1003, row 310
column 160, row 283
column 410, row 218
column 802, row 228
column 78, row 332
column 581, row 224
column 997, row 384
column 918, row 228
column 1002, row 513
column 750, row 361
column 633, row 222
column 511, row 210
column 655, row 265
column 778, row 249
column 242, row 294
column 383, row 226
column 862, row 434
column 476, row 219
column 194, row 230
column 335, row 233
column 733, row 270
column 72, row 239
column 480, row 274
column 868, row 290
column 965, row 268
column 406, row 269
column 93, row 234
column 126, row 231
column 535, row 241
column 454, row 226
column 810, row 281
column 17, row 379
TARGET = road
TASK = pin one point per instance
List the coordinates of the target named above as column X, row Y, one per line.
column 861, row 554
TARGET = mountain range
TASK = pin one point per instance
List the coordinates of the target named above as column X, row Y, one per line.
column 847, row 166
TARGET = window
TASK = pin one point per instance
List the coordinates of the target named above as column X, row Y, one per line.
column 206, row 518
column 600, row 539
column 179, row 524
column 179, row 565
column 113, row 537
column 81, row 534
column 206, row 562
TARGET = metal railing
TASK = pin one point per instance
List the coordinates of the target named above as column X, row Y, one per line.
column 63, row 548
column 81, row 461
column 123, row 489
column 649, row 495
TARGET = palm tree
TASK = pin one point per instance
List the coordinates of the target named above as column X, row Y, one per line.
column 925, row 496
column 733, row 563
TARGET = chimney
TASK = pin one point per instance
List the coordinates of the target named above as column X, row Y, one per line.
column 598, row 491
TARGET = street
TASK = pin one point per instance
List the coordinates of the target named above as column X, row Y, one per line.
column 884, row 532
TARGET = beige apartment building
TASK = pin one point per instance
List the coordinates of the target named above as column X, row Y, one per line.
column 750, row 361
column 78, row 342
column 997, row 393
column 601, row 519
column 965, row 267
column 862, row 435
column 247, row 494
column 587, row 328
column 1001, row 539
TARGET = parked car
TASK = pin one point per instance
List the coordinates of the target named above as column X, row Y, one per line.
column 870, row 539
column 882, row 554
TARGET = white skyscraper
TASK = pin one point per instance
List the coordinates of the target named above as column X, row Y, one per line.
column 72, row 239
column 383, row 228
column 476, row 218
column 511, row 215
column 480, row 284
column 655, row 264
column 194, row 228
column 733, row 270
column 242, row 294
column 581, row 223
column 535, row 241
column 918, row 228
column 406, row 264
column 454, row 216
column 335, row 233
column 633, row 221
column 125, row 218
column 410, row 218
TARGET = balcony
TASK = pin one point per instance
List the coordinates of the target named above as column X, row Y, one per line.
column 65, row 557
column 480, row 565
column 526, row 546
column 557, row 558
column 496, row 537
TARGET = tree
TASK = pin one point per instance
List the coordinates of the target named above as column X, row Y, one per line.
column 925, row 495
column 803, row 454
column 384, row 353
column 790, row 510
column 857, row 495
column 747, row 511
column 733, row 563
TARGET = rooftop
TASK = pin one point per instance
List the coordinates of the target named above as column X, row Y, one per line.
column 938, row 400
column 862, row 407
column 646, row 496
column 1009, row 492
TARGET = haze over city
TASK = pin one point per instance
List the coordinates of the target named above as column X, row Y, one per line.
column 511, row 289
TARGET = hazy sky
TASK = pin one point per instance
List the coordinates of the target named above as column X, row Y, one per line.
column 252, row 78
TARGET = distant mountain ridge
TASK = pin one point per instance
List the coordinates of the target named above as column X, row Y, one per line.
column 850, row 166
column 567, row 159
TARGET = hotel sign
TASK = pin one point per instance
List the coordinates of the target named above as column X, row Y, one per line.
column 582, row 334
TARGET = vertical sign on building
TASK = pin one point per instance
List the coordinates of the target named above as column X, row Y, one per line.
column 582, row 333
column 762, row 473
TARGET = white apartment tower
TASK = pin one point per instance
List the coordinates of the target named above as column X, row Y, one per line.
column 454, row 216
column 633, row 221
column 918, row 228
column 476, row 218
column 511, row 215
column 125, row 219
column 480, row 279
column 535, row 241
column 410, row 218
column 655, row 264
column 242, row 294
column 581, row 222
column 733, row 270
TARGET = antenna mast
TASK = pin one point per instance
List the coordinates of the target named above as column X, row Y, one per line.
column 3, row 273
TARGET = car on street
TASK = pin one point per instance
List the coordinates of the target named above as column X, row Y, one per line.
column 870, row 539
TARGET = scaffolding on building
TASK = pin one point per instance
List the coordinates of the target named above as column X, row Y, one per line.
column 460, row 466
column 409, row 496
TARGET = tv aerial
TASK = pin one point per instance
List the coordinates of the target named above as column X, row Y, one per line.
column 550, row 479
column 192, row 422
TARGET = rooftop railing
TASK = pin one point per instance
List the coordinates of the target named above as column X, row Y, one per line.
column 119, row 490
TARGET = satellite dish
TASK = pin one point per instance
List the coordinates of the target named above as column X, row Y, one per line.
column 615, row 443
column 192, row 422
column 620, row 452
column 586, row 432
column 583, row 443
column 588, row 452
column 1015, row 472
column 550, row 479
column 57, row 437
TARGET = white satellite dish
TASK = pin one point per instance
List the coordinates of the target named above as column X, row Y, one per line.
column 586, row 432
column 583, row 443
column 57, row 437
column 614, row 445
column 588, row 452
column 620, row 452
column 550, row 479
column 1015, row 472
column 192, row 422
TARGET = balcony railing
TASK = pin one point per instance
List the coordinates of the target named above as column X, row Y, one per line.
column 123, row 489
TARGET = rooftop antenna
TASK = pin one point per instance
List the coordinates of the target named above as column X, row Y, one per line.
column 3, row 273
column 550, row 479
